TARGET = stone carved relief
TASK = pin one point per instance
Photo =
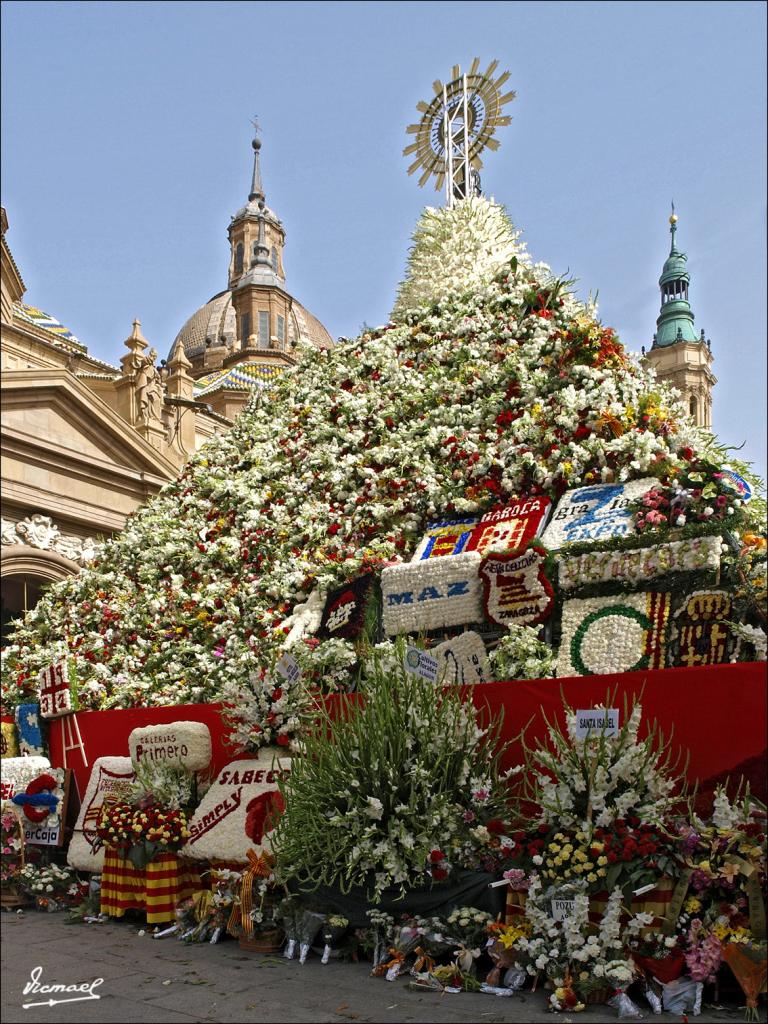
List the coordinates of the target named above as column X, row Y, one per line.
column 39, row 531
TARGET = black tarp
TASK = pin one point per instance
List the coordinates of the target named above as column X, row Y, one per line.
column 469, row 889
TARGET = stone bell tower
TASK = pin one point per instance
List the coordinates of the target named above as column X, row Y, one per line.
column 678, row 355
column 261, row 304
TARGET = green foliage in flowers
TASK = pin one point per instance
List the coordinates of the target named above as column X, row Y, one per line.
column 521, row 655
column 399, row 784
column 491, row 381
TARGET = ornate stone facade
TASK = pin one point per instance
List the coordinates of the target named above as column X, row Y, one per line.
column 85, row 443
column 39, row 531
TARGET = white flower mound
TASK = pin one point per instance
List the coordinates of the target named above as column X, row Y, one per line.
column 504, row 385
column 613, row 642
column 457, row 251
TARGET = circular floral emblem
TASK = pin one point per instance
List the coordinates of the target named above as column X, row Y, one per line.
column 597, row 642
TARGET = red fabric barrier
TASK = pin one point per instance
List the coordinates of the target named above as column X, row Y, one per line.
column 105, row 734
column 718, row 714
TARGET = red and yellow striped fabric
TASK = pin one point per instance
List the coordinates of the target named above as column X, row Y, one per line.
column 157, row 889
column 122, row 885
column 515, row 906
column 169, row 881
column 655, row 902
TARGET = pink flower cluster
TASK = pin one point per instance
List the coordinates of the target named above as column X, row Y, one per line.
column 704, row 955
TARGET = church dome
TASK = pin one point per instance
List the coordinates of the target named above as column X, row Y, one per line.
column 214, row 323
column 255, row 320
column 675, row 268
column 254, row 208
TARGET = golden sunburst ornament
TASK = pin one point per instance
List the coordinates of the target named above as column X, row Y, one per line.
column 456, row 127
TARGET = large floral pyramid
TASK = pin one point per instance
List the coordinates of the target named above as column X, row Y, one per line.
column 491, row 381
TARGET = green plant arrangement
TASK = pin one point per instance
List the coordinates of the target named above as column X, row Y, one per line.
column 520, row 654
column 401, row 789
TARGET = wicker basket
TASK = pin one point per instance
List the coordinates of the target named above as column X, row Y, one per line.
column 263, row 942
column 13, row 900
column 598, row 996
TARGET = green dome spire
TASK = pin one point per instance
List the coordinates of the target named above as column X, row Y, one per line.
column 675, row 321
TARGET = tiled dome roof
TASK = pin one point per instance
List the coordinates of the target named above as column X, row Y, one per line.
column 216, row 320
column 243, row 377
column 47, row 323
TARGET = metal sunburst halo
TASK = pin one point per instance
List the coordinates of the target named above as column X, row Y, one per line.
column 456, row 126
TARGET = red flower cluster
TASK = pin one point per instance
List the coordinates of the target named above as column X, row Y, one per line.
column 438, row 865
column 123, row 825
column 528, row 845
column 629, row 841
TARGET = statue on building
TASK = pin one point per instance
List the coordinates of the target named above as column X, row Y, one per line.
column 149, row 389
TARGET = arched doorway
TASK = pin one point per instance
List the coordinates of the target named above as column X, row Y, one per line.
column 26, row 572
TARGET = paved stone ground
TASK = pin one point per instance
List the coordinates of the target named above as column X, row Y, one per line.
column 167, row 981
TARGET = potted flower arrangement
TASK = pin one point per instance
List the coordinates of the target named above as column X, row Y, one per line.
column 723, row 916
column 592, row 782
column 11, row 859
column 262, row 932
column 656, row 953
column 51, row 886
column 152, row 821
column 575, row 956
column 257, row 912
column 142, row 835
column 604, row 812
column 143, row 831
column 468, row 928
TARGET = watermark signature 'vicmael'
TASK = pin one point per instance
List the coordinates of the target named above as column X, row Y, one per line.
column 35, row 987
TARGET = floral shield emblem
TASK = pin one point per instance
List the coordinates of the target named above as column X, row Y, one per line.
column 515, row 589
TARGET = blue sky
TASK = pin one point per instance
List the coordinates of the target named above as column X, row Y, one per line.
column 126, row 148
